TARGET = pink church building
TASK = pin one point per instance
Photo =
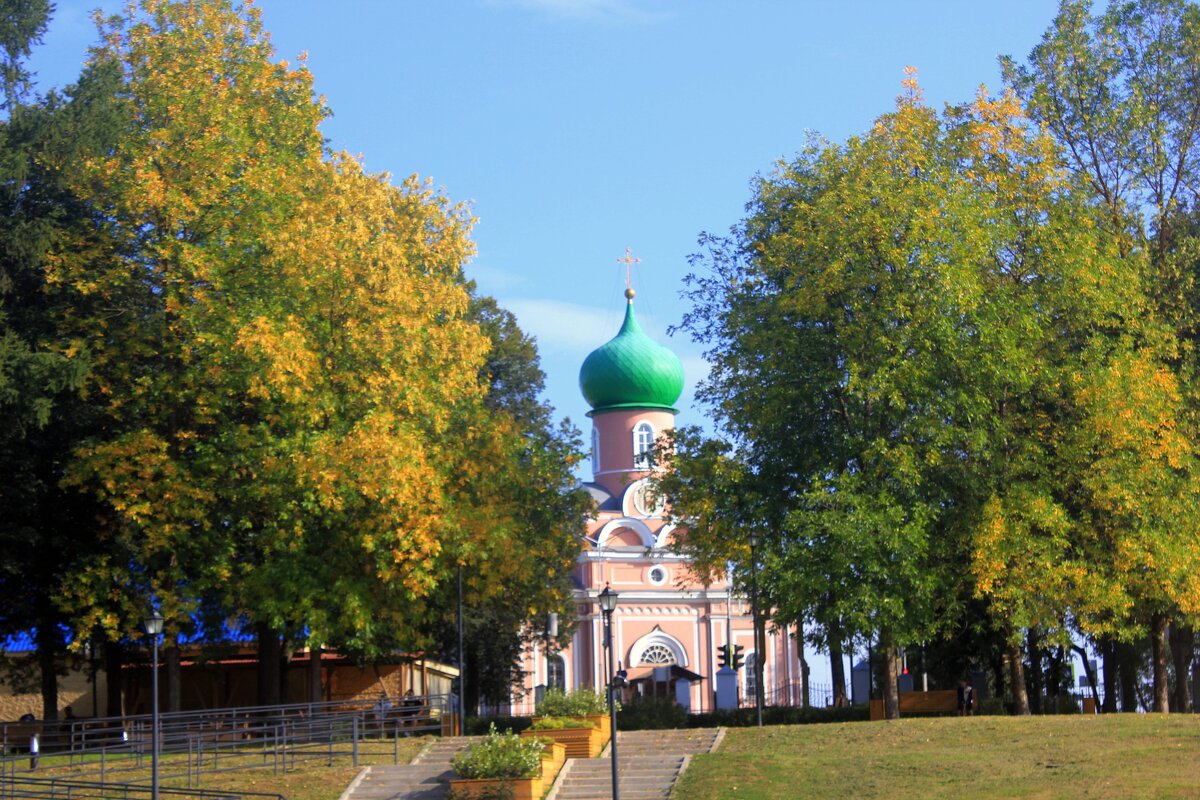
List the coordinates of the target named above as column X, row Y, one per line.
column 667, row 627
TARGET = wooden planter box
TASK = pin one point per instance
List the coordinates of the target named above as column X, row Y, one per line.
column 603, row 722
column 579, row 742
column 554, row 755
column 522, row 788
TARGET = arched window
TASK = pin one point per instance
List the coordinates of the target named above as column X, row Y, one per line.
column 750, row 676
column 595, row 450
column 556, row 673
column 658, row 655
column 643, row 445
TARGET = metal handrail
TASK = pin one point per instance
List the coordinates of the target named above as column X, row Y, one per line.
column 82, row 736
column 10, row 787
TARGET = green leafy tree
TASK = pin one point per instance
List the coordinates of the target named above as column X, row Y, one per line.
column 827, row 317
column 892, row 331
column 1116, row 89
column 45, row 528
column 528, row 512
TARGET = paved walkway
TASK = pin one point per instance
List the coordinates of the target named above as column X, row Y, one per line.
column 649, row 764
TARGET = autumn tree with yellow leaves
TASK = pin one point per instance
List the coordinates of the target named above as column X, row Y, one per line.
column 298, row 434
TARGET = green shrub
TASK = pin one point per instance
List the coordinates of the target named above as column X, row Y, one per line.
column 1062, row 704
column 500, row 755
column 579, row 703
column 559, row 723
column 992, row 707
column 782, row 715
column 479, row 726
column 651, row 713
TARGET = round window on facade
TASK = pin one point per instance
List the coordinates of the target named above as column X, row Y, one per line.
column 658, row 575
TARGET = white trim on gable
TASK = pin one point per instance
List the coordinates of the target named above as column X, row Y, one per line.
column 635, row 525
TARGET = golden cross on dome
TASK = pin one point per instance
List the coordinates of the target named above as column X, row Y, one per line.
column 629, row 260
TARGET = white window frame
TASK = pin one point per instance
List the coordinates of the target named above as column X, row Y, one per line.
column 750, row 676
column 595, row 449
column 562, row 662
column 643, row 445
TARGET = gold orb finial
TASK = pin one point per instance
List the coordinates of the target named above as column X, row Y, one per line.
column 629, row 293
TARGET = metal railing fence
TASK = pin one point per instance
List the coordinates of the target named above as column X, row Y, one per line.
column 12, row 788
column 791, row 694
column 221, row 740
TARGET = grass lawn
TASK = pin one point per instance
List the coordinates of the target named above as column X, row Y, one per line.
column 1112, row 756
column 311, row 780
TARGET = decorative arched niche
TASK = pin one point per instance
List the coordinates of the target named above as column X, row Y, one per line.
column 657, row 649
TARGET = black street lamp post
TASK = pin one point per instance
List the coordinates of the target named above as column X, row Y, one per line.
column 758, row 645
column 462, row 664
column 153, row 626
column 608, row 603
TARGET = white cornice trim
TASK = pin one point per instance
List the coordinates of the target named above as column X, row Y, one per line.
column 632, row 554
column 650, row 595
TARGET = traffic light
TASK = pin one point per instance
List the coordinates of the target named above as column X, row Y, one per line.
column 737, row 656
column 723, row 654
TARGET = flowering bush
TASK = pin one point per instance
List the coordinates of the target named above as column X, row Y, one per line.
column 500, row 755
column 579, row 703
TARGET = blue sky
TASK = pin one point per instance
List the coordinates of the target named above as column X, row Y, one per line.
column 578, row 128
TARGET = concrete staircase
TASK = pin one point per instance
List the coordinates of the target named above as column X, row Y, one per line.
column 649, row 763
column 423, row 779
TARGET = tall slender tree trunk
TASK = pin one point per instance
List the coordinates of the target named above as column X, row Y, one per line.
column 1183, row 641
column 48, row 642
column 1128, row 656
column 114, row 658
column 1016, row 676
column 1108, row 653
column 174, row 677
column 1160, row 655
column 891, row 687
column 285, row 663
column 998, row 674
column 269, row 652
column 314, row 675
column 1087, row 673
column 837, row 664
column 1055, row 680
column 1034, row 678
column 804, row 702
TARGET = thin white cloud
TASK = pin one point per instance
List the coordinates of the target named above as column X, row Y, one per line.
column 562, row 328
column 492, row 280
column 604, row 10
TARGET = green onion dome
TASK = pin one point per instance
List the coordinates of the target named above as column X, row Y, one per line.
column 631, row 370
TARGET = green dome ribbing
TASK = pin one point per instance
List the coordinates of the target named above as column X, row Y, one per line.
column 631, row 370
